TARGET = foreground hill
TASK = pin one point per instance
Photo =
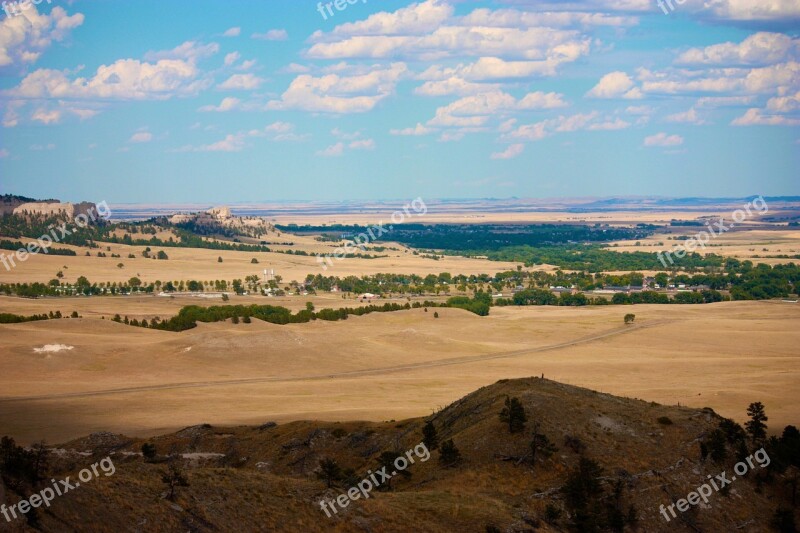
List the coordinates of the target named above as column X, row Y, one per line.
column 266, row 478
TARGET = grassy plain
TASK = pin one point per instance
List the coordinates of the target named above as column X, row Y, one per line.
column 389, row 365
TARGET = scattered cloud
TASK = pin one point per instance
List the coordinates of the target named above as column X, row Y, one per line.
column 334, row 150
column 510, row 153
column 615, row 85
column 141, row 137
column 232, row 32
column 663, row 140
column 419, row 129
column 241, row 82
column 333, row 93
column 271, row 35
column 691, row 117
column 756, row 117
column 25, row 37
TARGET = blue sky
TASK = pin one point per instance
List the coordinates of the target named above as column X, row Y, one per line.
column 257, row 101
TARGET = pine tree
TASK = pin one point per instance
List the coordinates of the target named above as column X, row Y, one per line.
column 513, row 414
column 330, row 472
column 430, row 437
column 756, row 426
column 449, row 455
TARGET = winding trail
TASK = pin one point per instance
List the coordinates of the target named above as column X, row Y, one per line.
column 341, row 375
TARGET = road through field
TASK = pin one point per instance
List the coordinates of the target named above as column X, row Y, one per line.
column 350, row 374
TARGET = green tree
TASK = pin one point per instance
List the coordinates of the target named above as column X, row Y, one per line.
column 540, row 445
column 330, row 472
column 237, row 287
column 174, row 478
column 430, row 437
column 513, row 414
column 756, row 427
column 449, row 455
column 148, row 451
column 582, row 494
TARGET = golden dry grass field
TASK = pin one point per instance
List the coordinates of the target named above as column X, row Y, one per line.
column 385, row 365
column 203, row 265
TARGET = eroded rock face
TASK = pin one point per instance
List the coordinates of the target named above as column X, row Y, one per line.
column 220, row 213
column 58, row 209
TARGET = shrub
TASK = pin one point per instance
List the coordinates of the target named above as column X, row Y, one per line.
column 449, row 455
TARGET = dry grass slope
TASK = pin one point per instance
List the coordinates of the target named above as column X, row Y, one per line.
column 273, row 486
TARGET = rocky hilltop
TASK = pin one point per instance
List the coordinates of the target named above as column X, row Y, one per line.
column 29, row 207
column 597, row 463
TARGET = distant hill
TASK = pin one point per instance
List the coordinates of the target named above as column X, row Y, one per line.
column 8, row 202
column 264, row 478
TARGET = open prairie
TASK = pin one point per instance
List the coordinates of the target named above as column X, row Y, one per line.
column 202, row 264
column 109, row 376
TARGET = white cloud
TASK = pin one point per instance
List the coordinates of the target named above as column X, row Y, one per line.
column 592, row 121
column 609, row 125
column 784, row 104
column 724, row 101
column 663, row 140
column 454, row 85
column 615, row 85
column 24, row 37
column 141, row 137
column 419, row 129
column 509, row 153
column 191, row 51
column 752, row 11
column 362, row 144
column 279, row 127
column 418, row 18
column 234, row 142
column 475, row 111
column 231, row 58
column 691, row 117
column 428, row 30
column 335, row 150
column 755, row 117
column 125, row 79
column 232, row 32
column 340, row 94
column 46, row 116
column 227, row 104
column 241, row 82
column 761, row 48
column 296, row 68
column 271, row 35
column 513, row 18
column 541, row 100
column 4, row 153
column 346, row 136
